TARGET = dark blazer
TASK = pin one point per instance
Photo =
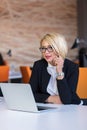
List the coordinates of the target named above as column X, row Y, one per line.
column 66, row 87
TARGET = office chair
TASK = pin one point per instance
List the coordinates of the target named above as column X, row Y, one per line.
column 4, row 73
column 82, row 83
column 26, row 73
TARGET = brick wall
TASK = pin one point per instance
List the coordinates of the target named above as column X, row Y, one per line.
column 24, row 22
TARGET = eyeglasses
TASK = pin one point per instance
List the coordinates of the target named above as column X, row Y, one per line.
column 43, row 49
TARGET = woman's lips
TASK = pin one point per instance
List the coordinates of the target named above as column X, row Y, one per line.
column 48, row 57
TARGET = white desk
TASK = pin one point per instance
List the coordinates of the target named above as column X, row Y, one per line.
column 66, row 117
column 14, row 75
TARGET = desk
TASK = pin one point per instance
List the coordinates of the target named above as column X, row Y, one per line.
column 66, row 117
column 15, row 77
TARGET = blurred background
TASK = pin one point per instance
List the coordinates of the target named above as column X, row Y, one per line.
column 24, row 22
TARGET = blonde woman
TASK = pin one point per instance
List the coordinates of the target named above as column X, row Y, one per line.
column 54, row 77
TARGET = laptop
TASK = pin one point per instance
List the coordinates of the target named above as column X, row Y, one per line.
column 20, row 97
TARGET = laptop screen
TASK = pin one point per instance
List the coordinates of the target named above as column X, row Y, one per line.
column 20, row 97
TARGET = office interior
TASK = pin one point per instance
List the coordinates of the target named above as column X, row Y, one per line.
column 23, row 24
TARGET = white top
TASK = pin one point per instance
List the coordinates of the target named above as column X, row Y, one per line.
column 66, row 117
column 52, row 86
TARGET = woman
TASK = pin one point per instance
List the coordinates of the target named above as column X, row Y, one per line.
column 54, row 78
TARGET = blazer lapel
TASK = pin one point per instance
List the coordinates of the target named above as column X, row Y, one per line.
column 45, row 79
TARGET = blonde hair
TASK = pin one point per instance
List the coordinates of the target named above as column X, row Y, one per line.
column 58, row 42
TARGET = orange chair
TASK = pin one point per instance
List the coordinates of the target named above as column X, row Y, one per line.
column 26, row 73
column 82, row 83
column 4, row 73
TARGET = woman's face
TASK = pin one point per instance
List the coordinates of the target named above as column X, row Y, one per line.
column 48, row 52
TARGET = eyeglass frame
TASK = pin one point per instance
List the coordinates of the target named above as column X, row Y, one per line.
column 49, row 49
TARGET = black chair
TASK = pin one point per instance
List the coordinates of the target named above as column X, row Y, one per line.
column 83, row 57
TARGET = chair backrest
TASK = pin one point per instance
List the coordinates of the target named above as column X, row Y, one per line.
column 26, row 73
column 82, row 82
column 4, row 73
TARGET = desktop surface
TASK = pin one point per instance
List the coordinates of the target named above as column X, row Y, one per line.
column 15, row 77
column 66, row 117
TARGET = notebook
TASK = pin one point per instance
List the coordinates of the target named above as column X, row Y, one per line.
column 20, row 97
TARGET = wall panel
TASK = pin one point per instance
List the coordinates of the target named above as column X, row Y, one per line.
column 24, row 22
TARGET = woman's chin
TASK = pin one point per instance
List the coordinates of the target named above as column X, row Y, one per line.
column 49, row 61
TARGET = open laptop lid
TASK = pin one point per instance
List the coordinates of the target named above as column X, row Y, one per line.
column 20, row 97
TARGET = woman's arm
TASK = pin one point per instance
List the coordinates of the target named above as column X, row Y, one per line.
column 55, row 99
column 67, row 86
column 35, row 82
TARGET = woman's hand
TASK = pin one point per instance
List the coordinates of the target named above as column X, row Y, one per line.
column 58, row 62
column 54, row 99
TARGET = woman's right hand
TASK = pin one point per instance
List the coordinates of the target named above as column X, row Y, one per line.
column 55, row 99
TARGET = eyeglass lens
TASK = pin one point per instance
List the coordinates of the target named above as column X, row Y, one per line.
column 43, row 49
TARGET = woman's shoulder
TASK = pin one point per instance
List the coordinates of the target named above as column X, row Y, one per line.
column 69, row 63
column 40, row 62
